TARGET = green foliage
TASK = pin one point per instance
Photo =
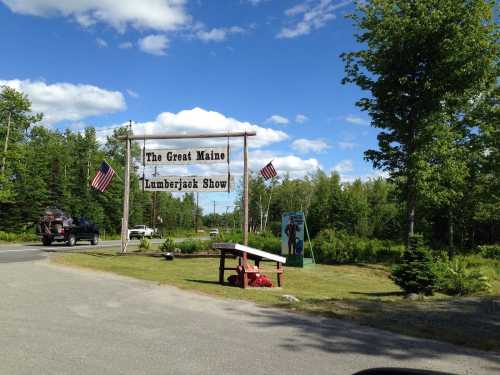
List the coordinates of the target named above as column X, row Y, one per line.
column 426, row 64
column 490, row 251
column 262, row 241
column 168, row 245
column 364, row 209
column 145, row 243
column 332, row 247
column 415, row 274
column 194, row 246
column 15, row 237
column 456, row 277
column 16, row 116
column 266, row 242
column 46, row 167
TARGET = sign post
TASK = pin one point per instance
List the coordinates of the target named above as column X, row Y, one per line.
column 185, row 183
column 245, row 191
column 126, row 191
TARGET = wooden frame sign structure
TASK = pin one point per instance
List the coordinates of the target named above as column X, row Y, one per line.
column 200, row 155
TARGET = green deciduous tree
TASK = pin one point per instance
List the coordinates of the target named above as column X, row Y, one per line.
column 424, row 63
column 15, row 120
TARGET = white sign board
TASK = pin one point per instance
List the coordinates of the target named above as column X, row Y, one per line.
column 185, row 184
column 202, row 155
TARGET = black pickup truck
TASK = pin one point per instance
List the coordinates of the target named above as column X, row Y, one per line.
column 56, row 226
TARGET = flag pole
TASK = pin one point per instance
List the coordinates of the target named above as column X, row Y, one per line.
column 116, row 173
column 268, row 205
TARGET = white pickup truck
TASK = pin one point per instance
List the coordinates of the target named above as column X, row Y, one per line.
column 140, row 231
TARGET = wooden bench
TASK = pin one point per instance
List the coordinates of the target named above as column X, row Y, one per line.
column 244, row 254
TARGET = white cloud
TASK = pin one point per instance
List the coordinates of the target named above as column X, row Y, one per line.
column 356, row 120
column 198, row 120
column 277, row 119
column 125, row 45
column 345, row 145
column 218, row 34
column 293, row 165
column 290, row 164
column 154, row 44
column 67, row 101
column 101, row 43
column 310, row 15
column 132, row 93
column 295, row 10
column 256, row 2
column 303, row 145
column 365, row 177
column 343, row 166
column 300, row 118
column 161, row 15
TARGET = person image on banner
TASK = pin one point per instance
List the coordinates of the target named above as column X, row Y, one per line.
column 291, row 231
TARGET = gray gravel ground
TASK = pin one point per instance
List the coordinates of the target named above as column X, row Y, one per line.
column 56, row 320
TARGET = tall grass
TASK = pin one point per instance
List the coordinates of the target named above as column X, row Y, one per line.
column 17, row 237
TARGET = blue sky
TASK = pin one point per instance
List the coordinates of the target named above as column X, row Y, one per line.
column 179, row 65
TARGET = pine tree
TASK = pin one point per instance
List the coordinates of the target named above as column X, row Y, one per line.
column 415, row 273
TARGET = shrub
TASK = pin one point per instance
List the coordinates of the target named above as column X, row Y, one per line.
column 266, row 242
column 145, row 243
column 456, row 277
column 168, row 245
column 262, row 241
column 194, row 246
column 13, row 237
column 415, row 274
column 332, row 246
column 490, row 251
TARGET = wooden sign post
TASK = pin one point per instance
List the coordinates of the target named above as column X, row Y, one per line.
column 182, row 156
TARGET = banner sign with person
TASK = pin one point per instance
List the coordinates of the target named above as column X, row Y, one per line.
column 292, row 233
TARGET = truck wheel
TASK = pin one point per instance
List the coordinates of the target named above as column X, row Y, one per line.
column 94, row 240
column 71, row 240
column 46, row 241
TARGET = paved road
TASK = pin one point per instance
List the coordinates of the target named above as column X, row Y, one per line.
column 57, row 320
column 33, row 251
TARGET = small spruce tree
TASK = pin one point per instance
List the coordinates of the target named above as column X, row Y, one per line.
column 415, row 273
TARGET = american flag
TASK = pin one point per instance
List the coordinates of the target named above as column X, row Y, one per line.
column 103, row 177
column 268, row 171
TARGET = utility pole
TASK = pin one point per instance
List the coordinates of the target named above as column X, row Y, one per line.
column 196, row 215
column 126, row 190
column 6, row 143
column 215, row 221
column 261, row 213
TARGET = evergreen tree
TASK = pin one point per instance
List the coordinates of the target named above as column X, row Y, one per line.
column 415, row 273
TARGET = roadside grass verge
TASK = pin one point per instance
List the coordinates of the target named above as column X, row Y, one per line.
column 362, row 293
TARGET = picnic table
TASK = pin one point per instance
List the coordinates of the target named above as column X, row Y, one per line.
column 244, row 254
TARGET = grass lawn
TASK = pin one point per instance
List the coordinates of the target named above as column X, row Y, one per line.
column 363, row 293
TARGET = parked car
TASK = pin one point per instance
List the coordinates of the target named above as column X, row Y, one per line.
column 56, row 226
column 140, row 231
column 214, row 232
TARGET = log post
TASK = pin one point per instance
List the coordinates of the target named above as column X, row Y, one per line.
column 222, row 266
column 280, row 273
column 244, row 278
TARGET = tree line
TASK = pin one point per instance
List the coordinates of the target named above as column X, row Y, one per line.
column 45, row 167
column 430, row 69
